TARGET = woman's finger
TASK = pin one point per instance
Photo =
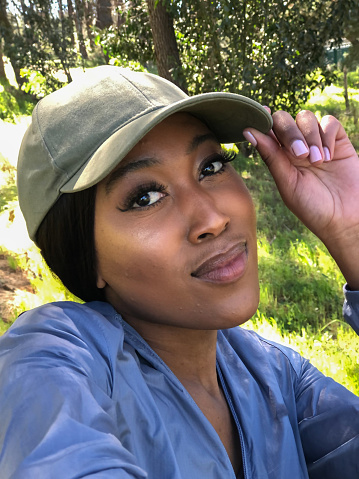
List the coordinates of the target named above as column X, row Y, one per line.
column 289, row 135
column 336, row 139
column 308, row 124
column 302, row 137
column 274, row 156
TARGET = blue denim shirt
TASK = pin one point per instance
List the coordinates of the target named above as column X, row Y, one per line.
column 83, row 395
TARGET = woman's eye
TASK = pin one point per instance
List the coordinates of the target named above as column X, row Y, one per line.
column 211, row 168
column 147, row 199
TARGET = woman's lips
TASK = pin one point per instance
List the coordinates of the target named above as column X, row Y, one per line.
column 224, row 267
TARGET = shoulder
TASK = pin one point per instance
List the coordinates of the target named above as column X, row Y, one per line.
column 81, row 337
column 67, row 320
column 254, row 349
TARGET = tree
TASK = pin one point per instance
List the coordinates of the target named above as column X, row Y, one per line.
column 271, row 50
column 130, row 39
column 104, row 15
column 351, row 31
column 79, row 17
column 164, row 42
column 2, row 66
column 38, row 38
column 7, row 34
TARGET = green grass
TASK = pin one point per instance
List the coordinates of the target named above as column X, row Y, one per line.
column 297, row 275
column 8, row 193
column 13, row 103
column 331, row 102
column 301, row 287
column 335, row 354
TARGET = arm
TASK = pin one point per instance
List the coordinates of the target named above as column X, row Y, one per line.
column 325, row 197
column 58, row 417
column 324, row 194
column 328, row 421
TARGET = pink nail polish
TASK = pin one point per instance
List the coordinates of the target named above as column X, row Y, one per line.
column 326, row 153
column 314, row 154
column 249, row 137
column 299, row 148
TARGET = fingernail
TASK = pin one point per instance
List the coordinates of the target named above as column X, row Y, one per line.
column 326, row 153
column 314, row 154
column 299, row 148
column 249, row 137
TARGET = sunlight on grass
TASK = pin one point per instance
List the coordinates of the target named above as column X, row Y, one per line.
column 15, row 241
column 332, row 93
column 331, row 102
column 336, row 355
column 11, row 136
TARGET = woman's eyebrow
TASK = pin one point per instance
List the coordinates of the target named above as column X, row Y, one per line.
column 123, row 170
column 199, row 139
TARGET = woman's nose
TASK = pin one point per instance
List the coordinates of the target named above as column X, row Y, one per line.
column 206, row 220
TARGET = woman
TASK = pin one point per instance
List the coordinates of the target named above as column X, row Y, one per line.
column 126, row 190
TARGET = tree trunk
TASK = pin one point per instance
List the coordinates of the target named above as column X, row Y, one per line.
column 346, row 96
column 8, row 35
column 88, row 23
column 2, row 66
column 165, row 45
column 120, row 8
column 104, row 14
column 79, row 15
column 70, row 10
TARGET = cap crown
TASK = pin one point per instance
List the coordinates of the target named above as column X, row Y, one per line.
column 69, row 125
column 82, row 131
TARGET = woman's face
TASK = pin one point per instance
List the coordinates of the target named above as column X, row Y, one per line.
column 175, row 232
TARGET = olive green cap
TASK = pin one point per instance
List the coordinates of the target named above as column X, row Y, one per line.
column 81, row 132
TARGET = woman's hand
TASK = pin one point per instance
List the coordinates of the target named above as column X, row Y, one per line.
column 316, row 170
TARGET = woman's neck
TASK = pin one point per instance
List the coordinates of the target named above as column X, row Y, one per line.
column 189, row 353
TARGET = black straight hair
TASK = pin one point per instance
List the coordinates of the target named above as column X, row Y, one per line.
column 67, row 243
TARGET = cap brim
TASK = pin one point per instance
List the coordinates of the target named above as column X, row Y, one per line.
column 225, row 114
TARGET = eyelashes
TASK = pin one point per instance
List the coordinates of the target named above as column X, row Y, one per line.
column 150, row 194
column 216, row 163
column 142, row 196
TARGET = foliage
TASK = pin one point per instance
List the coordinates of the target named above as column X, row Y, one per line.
column 40, row 39
column 351, row 30
column 266, row 50
column 9, row 107
column 36, row 84
column 129, row 41
column 13, row 103
column 47, row 286
column 353, row 79
column 131, row 64
column 3, row 326
column 331, row 102
column 8, row 193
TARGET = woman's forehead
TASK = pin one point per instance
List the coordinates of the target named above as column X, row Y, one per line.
column 179, row 132
column 179, row 127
